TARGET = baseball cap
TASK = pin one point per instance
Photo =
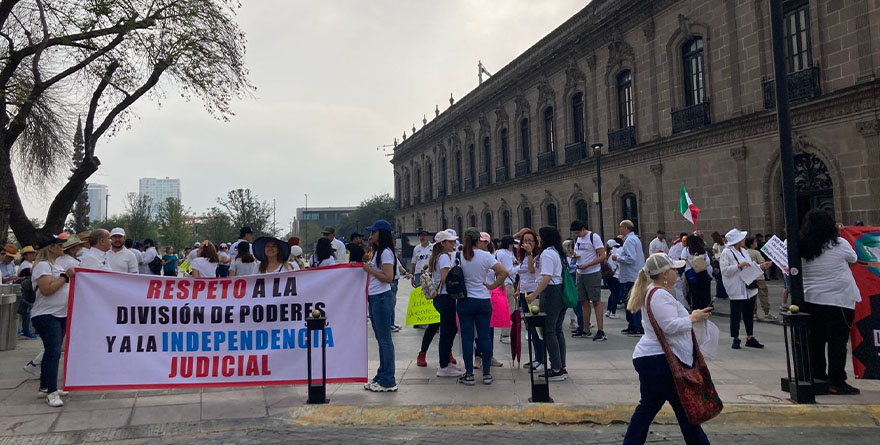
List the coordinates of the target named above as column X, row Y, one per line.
column 444, row 235
column 423, row 232
column 197, row 244
column 48, row 240
column 117, row 231
column 223, row 245
column 378, row 225
column 659, row 263
column 330, row 230
column 484, row 236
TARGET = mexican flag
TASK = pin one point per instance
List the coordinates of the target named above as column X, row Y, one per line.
column 687, row 208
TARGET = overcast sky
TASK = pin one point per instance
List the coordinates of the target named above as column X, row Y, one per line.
column 334, row 80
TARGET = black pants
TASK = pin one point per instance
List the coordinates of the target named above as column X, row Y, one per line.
column 742, row 310
column 657, row 387
column 428, row 337
column 445, row 305
column 701, row 291
column 829, row 325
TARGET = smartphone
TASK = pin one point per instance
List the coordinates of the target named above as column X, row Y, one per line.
column 712, row 305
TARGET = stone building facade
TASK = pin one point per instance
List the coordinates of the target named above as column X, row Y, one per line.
column 678, row 92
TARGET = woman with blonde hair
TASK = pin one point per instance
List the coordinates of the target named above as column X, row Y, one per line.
column 654, row 285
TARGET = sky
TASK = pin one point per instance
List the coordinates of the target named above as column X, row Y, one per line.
column 335, row 79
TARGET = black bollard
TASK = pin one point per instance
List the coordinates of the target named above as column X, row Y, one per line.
column 799, row 384
column 540, row 389
column 317, row 390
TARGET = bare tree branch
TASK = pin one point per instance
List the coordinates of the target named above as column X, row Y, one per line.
column 93, row 108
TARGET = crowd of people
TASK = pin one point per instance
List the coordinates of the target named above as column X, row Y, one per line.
column 529, row 266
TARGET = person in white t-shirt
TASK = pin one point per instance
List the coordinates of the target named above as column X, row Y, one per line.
column 96, row 257
column 245, row 263
column 205, row 265
column 475, row 310
column 323, row 255
column 613, row 281
column 438, row 265
column 150, row 254
column 120, row 258
column 136, row 250
column 245, row 234
column 552, row 262
column 658, row 244
column 420, row 256
column 340, row 254
column 223, row 254
column 49, row 313
column 507, row 258
column 380, row 269
column 589, row 253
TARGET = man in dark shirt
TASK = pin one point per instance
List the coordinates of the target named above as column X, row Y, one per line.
column 356, row 247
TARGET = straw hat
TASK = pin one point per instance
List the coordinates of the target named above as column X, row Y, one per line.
column 11, row 250
column 28, row 249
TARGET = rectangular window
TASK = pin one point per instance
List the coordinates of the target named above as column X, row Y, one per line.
column 472, row 161
column 694, row 85
column 504, row 147
column 549, row 136
column 524, row 139
column 487, row 154
column 798, row 50
column 625, row 99
column 577, row 117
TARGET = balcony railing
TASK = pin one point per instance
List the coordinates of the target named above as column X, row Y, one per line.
column 803, row 84
column 485, row 180
column 523, row 168
column 688, row 118
column 501, row 174
column 622, row 138
column 456, row 187
column 468, row 184
column 546, row 160
column 575, row 152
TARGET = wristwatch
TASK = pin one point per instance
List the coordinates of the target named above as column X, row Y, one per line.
column 66, row 278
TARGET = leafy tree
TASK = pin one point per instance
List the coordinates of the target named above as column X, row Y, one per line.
column 175, row 228
column 138, row 211
column 244, row 208
column 97, row 58
column 79, row 215
column 216, row 226
column 369, row 211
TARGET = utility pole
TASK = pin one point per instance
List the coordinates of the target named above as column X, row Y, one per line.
column 106, row 205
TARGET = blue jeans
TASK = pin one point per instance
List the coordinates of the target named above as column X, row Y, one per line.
column 657, row 387
column 475, row 312
column 381, row 312
column 445, row 305
column 634, row 320
column 24, row 311
column 537, row 343
column 418, row 278
column 51, row 330
column 394, row 287
column 614, row 298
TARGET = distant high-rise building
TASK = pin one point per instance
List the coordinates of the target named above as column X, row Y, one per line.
column 98, row 194
column 159, row 190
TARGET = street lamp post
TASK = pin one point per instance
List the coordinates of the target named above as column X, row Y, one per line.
column 800, row 383
column 305, row 222
column 597, row 150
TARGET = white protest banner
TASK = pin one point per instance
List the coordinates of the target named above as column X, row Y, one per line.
column 777, row 251
column 127, row 331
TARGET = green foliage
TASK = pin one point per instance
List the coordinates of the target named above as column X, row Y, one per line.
column 140, row 223
column 175, row 227
column 244, row 208
column 215, row 225
column 369, row 211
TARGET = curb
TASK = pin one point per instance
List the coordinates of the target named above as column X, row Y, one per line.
column 565, row 414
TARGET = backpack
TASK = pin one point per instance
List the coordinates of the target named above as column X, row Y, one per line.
column 455, row 286
column 28, row 293
column 700, row 264
column 429, row 289
column 155, row 266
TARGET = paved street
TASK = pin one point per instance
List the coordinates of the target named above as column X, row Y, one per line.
column 601, row 375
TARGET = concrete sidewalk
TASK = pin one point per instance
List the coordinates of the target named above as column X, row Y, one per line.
column 602, row 388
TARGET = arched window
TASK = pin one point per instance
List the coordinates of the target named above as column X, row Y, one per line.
column 487, row 154
column 472, row 161
column 580, row 210
column 459, row 226
column 577, row 117
column 504, row 147
column 443, row 176
column 692, row 57
column 458, row 170
column 418, row 223
column 398, row 191
column 429, row 181
column 524, row 143
column 472, row 220
column 549, row 136
column 527, row 217
column 505, row 222
column 418, row 195
column 551, row 215
column 630, row 209
column 406, row 193
column 625, row 99
column 488, row 221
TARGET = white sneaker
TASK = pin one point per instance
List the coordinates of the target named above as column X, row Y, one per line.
column 607, row 314
column 54, row 399
column 32, row 369
column 612, row 316
column 505, row 339
column 43, row 392
column 376, row 387
column 448, row 371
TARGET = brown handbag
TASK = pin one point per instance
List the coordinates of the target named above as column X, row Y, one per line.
column 694, row 385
